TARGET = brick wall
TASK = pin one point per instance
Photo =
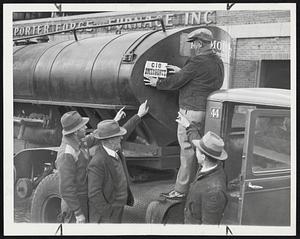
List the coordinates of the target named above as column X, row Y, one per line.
column 248, row 53
column 251, row 17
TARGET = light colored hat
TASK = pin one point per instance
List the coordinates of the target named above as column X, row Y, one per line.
column 72, row 121
column 212, row 145
column 202, row 34
column 108, row 129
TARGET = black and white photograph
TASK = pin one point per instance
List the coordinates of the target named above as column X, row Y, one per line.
column 149, row 119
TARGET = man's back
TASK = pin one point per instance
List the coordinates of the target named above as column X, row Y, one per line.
column 207, row 74
column 200, row 76
column 207, row 198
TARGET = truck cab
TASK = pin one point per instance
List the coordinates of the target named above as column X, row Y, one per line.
column 255, row 126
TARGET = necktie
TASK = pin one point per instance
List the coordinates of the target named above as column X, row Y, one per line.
column 117, row 156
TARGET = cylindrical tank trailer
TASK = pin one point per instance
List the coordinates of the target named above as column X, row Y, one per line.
column 97, row 76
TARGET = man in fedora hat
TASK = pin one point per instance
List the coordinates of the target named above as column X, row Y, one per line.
column 201, row 75
column 108, row 180
column 206, row 199
column 72, row 160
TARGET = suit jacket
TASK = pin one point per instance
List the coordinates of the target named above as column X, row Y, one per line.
column 102, row 178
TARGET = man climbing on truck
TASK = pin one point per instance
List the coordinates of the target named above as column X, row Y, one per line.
column 201, row 75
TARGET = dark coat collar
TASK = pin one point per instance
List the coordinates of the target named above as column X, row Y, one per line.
column 208, row 173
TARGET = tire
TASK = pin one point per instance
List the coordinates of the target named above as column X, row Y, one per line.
column 45, row 206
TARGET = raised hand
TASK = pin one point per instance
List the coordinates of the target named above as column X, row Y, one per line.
column 143, row 109
column 181, row 119
column 121, row 114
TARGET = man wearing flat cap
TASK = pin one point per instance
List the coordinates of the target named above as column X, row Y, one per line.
column 201, row 75
column 108, row 180
column 207, row 198
column 71, row 163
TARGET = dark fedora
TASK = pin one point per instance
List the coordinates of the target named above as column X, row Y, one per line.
column 212, row 145
column 72, row 121
column 201, row 34
column 108, row 129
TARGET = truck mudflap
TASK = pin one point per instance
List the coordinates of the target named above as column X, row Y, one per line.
column 165, row 211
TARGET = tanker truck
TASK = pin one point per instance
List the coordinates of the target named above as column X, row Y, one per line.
column 99, row 75
column 95, row 76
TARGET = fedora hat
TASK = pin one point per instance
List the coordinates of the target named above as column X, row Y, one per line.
column 72, row 121
column 108, row 129
column 212, row 145
column 202, row 34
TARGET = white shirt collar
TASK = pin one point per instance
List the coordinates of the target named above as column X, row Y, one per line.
column 110, row 152
column 204, row 170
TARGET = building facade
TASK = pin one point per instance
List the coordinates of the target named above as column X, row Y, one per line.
column 260, row 38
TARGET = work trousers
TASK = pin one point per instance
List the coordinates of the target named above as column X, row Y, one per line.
column 188, row 161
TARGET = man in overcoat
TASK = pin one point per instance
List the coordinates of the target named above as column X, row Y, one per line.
column 108, row 179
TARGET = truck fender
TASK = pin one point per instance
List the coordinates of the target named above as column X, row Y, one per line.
column 165, row 211
column 33, row 159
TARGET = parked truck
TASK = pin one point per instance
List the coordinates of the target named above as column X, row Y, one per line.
column 99, row 75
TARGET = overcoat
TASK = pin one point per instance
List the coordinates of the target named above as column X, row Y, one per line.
column 103, row 177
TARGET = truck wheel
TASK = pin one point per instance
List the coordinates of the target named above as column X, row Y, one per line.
column 24, row 188
column 45, row 206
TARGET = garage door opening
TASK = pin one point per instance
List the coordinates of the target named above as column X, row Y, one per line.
column 275, row 74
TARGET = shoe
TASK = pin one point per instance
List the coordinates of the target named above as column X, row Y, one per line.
column 173, row 195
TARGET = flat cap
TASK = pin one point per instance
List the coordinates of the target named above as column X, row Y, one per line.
column 201, row 34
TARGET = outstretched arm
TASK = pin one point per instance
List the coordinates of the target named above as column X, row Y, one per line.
column 136, row 119
column 194, row 130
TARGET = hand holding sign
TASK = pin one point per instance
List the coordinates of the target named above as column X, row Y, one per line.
column 173, row 69
column 151, row 81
